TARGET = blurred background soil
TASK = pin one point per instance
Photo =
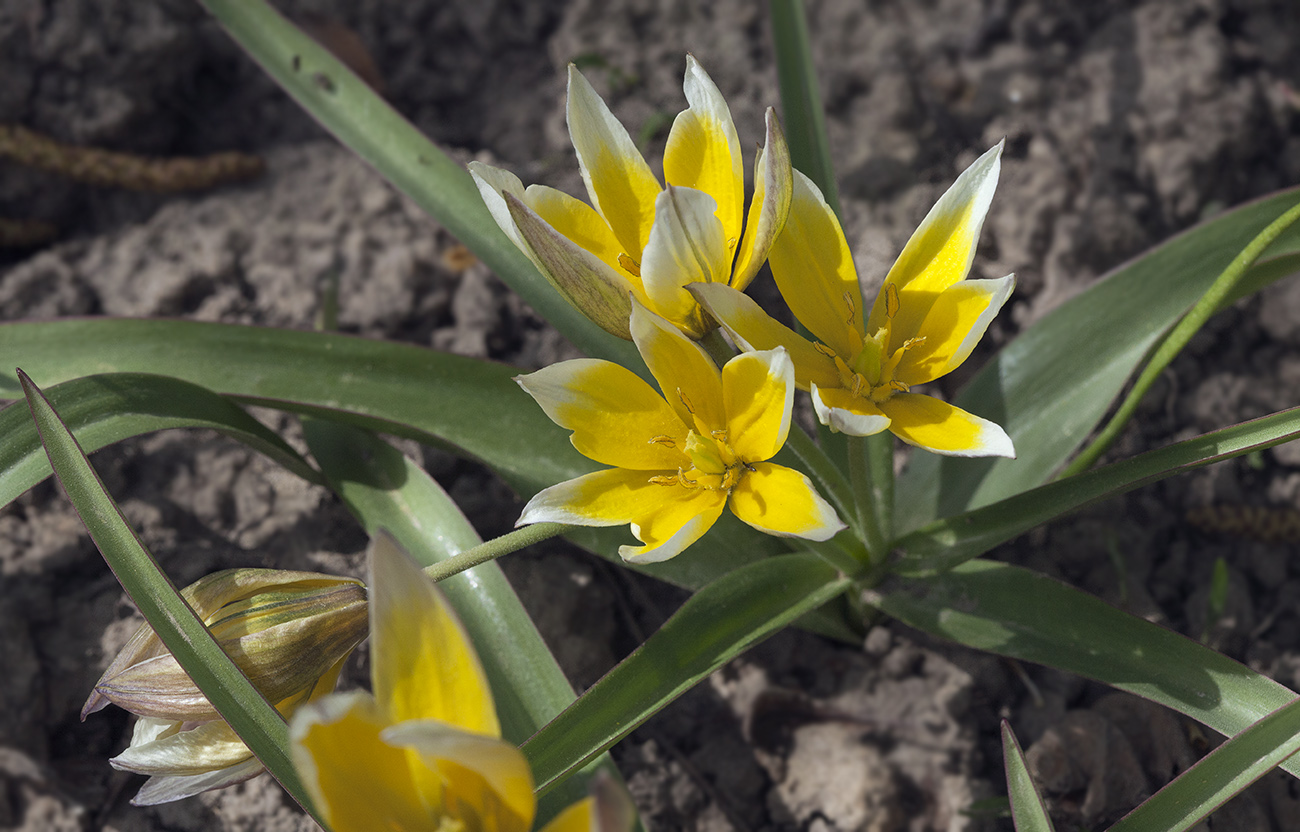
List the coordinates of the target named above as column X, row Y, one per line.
column 1125, row 122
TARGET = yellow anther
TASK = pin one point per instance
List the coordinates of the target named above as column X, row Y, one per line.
column 858, row 383
column 912, row 342
column 891, row 300
column 853, row 307
column 686, row 403
column 685, row 480
column 630, row 265
column 731, row 243
column 823, row 349
column 664, row 480
column 662, row 439
column 719, row 435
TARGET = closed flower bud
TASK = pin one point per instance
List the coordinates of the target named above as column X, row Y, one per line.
column 289, row 632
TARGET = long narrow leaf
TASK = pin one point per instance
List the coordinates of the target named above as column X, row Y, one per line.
column 258, row 724
column 365, row 123
column 1021, row 614
column 1050, row 387
column 1218, row 777
column 715, row 625
column 945, row 543
column 467, row 405
column 1027, row 809
column 103, row 409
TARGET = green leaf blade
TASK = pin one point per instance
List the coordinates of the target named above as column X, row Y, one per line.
column 1027, row 810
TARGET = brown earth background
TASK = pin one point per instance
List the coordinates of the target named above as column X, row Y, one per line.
column 1125, row 122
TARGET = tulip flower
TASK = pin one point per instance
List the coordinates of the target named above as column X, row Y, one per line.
column 424, row 751
column 926, row 319
column 681, row 457
column 636, row 238
column 288, row 631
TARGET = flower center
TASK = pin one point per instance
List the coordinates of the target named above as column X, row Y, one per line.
column 714, row 464
column 870, row 375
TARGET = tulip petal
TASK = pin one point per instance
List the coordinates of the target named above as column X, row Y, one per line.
column 493, row 184
column 939, row 427
column 753, row 329
column 422, row 664
column 357, row 781
column 758, row 393
column 783, row 502
column 579, row 817
column 580, row 223
column 814, row 270
column 621, row 185
column 666, row 518
column 582, row 278
column 686, row 246
column 169, row 788
column 773, row 189
column 689, row 379
column 203, row 748
column 941, row 249
column 616, row 417
column 482, row 776
column 703, row 151
column 846, row 413
column 956, row 322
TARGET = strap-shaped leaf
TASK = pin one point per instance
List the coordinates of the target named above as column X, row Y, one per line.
column 258, row 724
column 1050, row 387
column 103, row 409
column 470, row 406
column 714, row 626
column 945, row 543
column 1024, row 615
column 1027, row 810
column 1219, row 776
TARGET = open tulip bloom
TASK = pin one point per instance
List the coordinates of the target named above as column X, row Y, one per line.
column 423, row 753
column 680, row 457
column 926, row 319
column 640, row 239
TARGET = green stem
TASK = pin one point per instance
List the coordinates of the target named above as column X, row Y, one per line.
column 1177, row 339
column 861, row 471
column 495, row 548
column 717, row 347
column 801, row 100
column 830, row 478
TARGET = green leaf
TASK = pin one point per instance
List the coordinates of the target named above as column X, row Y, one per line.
column 103, row 409
column 714, row 626
column 469, row 406
column 1050, row 387
column 945, row 543
column 1023, row 615
column 258, row 724
column 801, row 100
column 366, row 124
column 1220, row 775
column 1026, row 806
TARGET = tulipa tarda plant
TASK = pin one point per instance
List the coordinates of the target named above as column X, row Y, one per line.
column 682, row 414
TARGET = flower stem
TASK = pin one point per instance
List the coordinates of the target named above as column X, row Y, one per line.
column 1178, row 337
column 495, row 548
column 868, row 493
column 717, row 347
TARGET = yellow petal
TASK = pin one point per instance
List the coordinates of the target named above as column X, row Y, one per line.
column 422, row 664
column 703, row 151
column 937, row 426
column 616, row 417
column 758, row 390
column 753, row 329
column 579, row 222
column 686, row 246
column 956, row 322
column 493, row 184
column 773, row 188
column 814, row 270
column 357, row 782
column 846, row 413
column 666, row 518
column 941, row 249
column 588, row 283
column 620, row 183
column 783, row 502
column 484, row 778
column 577, row 818
column 689, row 379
